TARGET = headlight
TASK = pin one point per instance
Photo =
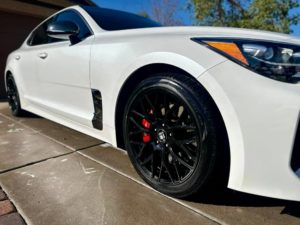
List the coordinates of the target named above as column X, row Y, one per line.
column 278, row 61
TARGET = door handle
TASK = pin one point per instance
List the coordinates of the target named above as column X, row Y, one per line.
column 43, row 55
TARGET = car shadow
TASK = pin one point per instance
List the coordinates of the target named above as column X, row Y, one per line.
column 29, row 115
column 234, row 198
column 25, row 114
column 293, row 209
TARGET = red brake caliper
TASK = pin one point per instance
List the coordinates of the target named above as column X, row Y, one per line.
column 146, row 136
column 147, row 125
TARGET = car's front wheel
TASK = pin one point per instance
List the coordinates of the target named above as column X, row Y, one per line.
column 13, row 96
column 171, row 134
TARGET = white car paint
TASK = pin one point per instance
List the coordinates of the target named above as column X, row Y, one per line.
column 261, row 115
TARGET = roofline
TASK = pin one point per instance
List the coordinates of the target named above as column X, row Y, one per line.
column 86, row 2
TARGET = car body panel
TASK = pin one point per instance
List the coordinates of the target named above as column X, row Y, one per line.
column 261, row 119
column 260, row 114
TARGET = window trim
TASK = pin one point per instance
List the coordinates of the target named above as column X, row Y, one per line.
column 30, row 38
column 53, row 17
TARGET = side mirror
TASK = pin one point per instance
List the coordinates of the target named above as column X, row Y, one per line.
column 62, row 30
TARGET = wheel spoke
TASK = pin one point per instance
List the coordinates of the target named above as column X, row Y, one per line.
column 149, row 102
column 156, row 101
column 186, row 150
column 148, row 159
column 191, row 150
column 133, row 133
column 140, row 114
column 138, row 125
column 156, row 160
column 137, row 143
column 168, row 172
column 176, row 170
column 181, row 161
column 184, row 127
column 187, row 140
column 153, row 165
column 141, row 151
column 142, row 107
column 161, row 167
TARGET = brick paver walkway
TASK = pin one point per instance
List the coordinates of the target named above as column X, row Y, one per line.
column 8, row 213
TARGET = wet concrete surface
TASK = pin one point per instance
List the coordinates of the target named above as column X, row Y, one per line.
column 66, row 190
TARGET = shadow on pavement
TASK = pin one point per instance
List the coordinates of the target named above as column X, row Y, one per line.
column 234, row 198
column 292, row 209
column 29, row 115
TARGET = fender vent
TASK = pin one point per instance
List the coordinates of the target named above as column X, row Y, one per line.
column 97, row 119
column 295, row 162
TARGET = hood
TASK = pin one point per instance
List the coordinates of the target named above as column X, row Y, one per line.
column 216, row 32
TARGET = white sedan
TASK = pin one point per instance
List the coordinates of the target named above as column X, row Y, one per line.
column 195, row 107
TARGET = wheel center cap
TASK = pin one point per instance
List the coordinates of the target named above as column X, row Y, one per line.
column 162, row 136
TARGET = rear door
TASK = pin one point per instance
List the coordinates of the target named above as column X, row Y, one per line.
column 63, row 74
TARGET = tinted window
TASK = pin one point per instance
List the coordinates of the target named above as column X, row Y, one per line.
column 109, row 19
column 71, row 15
column 40, row 37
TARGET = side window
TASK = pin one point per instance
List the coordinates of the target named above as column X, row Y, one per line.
column 40, row 37
column 71, row 15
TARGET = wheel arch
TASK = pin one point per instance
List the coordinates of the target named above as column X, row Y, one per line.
column 132, row 81
column 138, row 76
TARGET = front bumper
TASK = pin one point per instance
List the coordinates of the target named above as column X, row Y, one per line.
column 262, row 120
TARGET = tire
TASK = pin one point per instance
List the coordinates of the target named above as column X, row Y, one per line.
column 13, row 97
column 171, row 133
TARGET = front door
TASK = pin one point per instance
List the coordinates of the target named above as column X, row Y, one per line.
column 63, row 74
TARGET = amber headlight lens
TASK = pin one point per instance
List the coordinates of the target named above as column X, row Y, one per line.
column 278, row 61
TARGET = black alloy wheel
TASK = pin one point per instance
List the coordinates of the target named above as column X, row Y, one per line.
column 170, row 135
column 13, row 97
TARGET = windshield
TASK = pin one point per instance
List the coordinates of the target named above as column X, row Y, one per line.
column 111, row 20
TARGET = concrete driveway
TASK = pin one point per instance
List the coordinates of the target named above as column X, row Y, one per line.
column 55, row 175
